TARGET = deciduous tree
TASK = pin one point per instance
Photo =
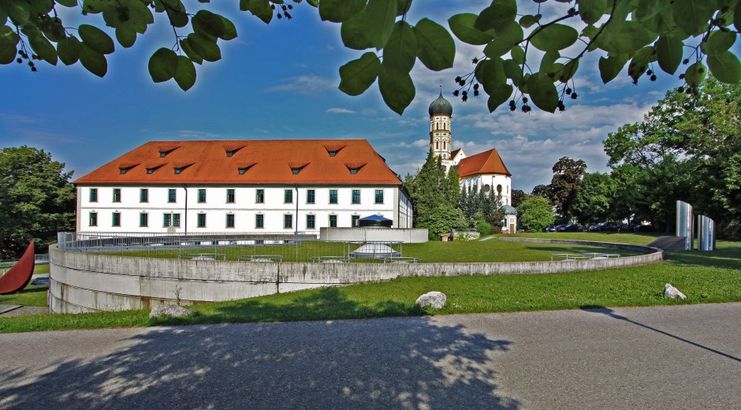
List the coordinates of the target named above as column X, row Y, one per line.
column 534, row 214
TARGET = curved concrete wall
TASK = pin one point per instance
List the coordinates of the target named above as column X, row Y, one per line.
column 85, row 282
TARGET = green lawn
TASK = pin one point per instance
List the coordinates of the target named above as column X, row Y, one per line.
column 704, row 277
column 31, row 295
column 491, row 250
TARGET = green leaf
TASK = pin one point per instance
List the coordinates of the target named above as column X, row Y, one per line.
column 96, row 39
column 501, row 12
column 397, row 89
column 259, row 8
column 529, row 19
column 400, row 51
column 490, row 73
column 357, row 75
column 93, row 60
column 499, row 94
column 354, row 35
column 230, row 31
column 162, row 65
column 403, row 6
column 126, row 36
column 68, row 49
column 737, row 16
column 669, row 53
column 543, row 92
column 176, row 13
column 185, row 73
column 518, row 55
column 718, row 42
column 190, row 52
column 8, row 41
column 513, row 71
column 591, row 11
column 204, row 46
column 67, row 3
column 611, row 66
column 506, row 37
column 695, row 74
column 692, row 16
column 43, row 48
column 624, row 37
column 555, row 37
column 379, row 17
column 549, row 58
column 725, row 67
column 435, row 45
column 338, row 11
column 639, row 63
column 205, row 22
column 462, row 26
column 568, row 71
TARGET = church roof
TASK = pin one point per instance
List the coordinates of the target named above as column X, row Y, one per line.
column 487, row 162
column 281, row 162
column 440, row 106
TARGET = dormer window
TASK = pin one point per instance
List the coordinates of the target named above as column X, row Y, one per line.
column 332, row 150
column 152, row 168
column 296, row 167
column 179, row 168
column 164, row 151
column 232, row 149
column 355, row 167
column 243, row 168
column 124, row 168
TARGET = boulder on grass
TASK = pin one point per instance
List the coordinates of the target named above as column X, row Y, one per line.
column 169, row 310
column 670, row 292
column 435, row 300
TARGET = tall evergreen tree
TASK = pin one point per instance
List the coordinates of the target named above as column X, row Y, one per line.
column 453, row 184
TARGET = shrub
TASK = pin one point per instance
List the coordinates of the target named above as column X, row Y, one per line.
column 483, row 227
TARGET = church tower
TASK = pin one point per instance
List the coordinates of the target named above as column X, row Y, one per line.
column 441, row 113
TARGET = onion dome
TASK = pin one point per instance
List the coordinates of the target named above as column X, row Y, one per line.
column 441, row 106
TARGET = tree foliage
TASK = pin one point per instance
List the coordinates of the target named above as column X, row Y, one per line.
column 641, row 34
column 36, row 199
column 564, row 186
column 518, row 196
column 685, row 149
column 534, row 213
column 595, row 198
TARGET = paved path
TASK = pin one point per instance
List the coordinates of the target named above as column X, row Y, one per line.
column 665, row 357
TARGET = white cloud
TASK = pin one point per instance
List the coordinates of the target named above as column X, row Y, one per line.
column 340, row 111
column 304, row 84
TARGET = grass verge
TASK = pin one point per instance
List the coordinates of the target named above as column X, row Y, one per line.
column 705, row 278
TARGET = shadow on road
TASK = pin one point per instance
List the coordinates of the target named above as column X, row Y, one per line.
column 400, row 363
column 611, row 313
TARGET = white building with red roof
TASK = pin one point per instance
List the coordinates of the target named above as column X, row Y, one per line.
column 277, row 187
column 484, row 171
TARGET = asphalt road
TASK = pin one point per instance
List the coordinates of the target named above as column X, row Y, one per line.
column 663, row 357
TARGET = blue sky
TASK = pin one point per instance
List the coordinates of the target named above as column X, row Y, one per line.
column 280, row 81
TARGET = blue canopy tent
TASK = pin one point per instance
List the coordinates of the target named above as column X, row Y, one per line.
column 375, row 221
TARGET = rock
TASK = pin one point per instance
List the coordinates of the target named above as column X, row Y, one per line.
column 670, row 292
column 435, row 300
column 169, row 310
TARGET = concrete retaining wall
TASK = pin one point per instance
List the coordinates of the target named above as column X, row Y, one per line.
column 373, row 235
column 84, row 282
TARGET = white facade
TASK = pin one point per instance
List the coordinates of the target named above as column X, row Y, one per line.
column 440, row 137
column 120, row 208
column 496, row 183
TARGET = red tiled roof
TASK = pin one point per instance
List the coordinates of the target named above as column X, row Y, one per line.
column 487, row 162
column 269, row 162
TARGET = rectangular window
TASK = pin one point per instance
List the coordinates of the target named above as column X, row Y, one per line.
column 333, row 221
column 143, row 220
column 310, row 196
column 167, row 220
column 288, row 196
column 260, row 196
column 354, row 221
column 332, row 196
column 201, row 220
column 310, row 221
column 379, row 196
column 287, row 221
column 172, row 195
column 259, row 221
column 230, row 220
column 229, row 196
column 93, row 221
column 116, row 194
column 355, row 196
column 93, row 194
column 116, row 220
column 201, row 196
column 176, row 220
column 144, row 195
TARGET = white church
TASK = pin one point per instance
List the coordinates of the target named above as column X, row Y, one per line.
column 484, row 171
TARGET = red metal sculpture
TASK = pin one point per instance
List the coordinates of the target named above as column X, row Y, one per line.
column 20, row 274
